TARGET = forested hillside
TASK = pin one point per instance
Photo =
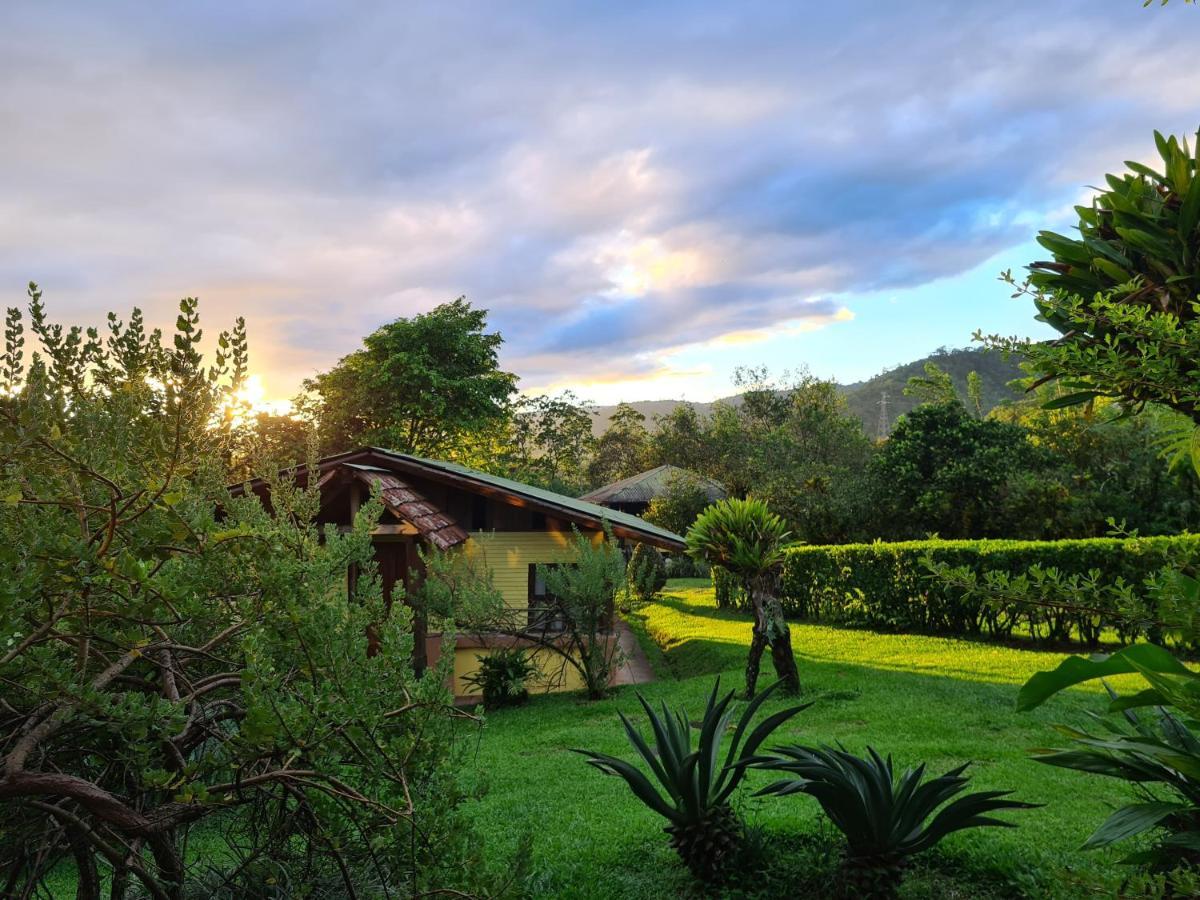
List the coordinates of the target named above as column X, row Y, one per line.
column 863, row 397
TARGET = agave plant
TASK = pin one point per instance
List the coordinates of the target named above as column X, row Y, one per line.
column 694, row 786
column 884, row 819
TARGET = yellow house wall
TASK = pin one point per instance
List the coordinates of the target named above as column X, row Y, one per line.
column 552, row 675
column 508, row 555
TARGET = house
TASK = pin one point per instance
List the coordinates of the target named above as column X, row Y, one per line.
column 633, row 494
column 445, row 506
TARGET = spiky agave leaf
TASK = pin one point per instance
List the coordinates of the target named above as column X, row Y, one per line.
column 884, row 818
column 693, row 785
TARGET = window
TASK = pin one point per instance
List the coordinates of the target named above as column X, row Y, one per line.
column 543, row 612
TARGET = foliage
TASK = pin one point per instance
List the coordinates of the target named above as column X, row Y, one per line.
column 885, row 819
column 935, row 386
column 501, row 677
column 677, row 507
column 944, row 472
column 418, row 385
column 728, row 590
column 582, row 603
column 1124, row 293
column 1107, row 466
column 574, row 627
column 623, row 450
column 696, row 787
column 177, row 660
column 748, row 541
column 646, row 573
column 547, row 442
column 907, row 586
column 1158, row 749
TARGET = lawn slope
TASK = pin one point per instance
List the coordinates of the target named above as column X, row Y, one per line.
column 939, row 700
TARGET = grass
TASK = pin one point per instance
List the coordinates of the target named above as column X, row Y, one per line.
column 931, row 699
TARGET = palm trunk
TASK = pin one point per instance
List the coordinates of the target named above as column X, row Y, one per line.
column 771, row 628
column 757, row 644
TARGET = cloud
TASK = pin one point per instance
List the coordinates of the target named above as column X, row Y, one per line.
column 614, row 182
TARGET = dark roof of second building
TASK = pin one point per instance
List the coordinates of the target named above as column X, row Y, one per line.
column 645, row 486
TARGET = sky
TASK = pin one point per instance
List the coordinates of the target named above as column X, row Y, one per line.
column 644, row 196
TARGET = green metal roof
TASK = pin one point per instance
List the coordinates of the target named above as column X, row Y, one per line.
column 549, row 498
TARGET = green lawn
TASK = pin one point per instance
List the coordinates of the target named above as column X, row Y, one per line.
column 920, row 698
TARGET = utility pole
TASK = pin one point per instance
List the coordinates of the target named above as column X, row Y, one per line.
column 881, row 430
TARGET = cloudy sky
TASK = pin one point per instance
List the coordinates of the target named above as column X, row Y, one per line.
column 644, row 195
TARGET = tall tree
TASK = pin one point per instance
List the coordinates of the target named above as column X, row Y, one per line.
column 419, row 385
column 623, row 449
column 943, row 471
column 548, row 442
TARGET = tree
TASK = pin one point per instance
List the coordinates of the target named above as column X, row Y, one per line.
column 677, row 507
column 746, row 539
column 623, row 449
column 935, row 386
column 547, row 442
column 175, row 657
column 419, row 385
column 1124, row 295
column 1107, row 466
column 577, row 623
column 943, row 471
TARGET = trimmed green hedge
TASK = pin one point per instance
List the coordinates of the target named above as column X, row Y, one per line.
column 885, row 586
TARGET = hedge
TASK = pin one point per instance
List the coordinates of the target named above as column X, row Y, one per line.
column 885, row 586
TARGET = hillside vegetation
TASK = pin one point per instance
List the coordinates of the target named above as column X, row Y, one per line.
column 863, row 397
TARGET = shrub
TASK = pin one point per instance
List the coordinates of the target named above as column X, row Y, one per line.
column 891, row 586
column 885, row 820
column 646, row 573
column 728, row 590
column 501, row 677
column 175, row 659
column 683, row 566
column 696, row 788
column 1156, row 752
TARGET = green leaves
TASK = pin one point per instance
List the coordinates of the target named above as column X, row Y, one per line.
column 1155, row 748
column 742, row 536
column 881, row 816
column 1145, row 659
column 692, row 782
column 1124, row 294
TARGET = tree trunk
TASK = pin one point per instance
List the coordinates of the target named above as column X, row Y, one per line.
column 770, row 628
column 757, row 645
column 785, row 660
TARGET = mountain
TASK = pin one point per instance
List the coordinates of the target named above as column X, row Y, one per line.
column 864, row 398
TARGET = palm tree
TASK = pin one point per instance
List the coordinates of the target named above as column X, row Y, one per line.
column 746, row 539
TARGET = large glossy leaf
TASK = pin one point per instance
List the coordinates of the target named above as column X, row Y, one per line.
column 1076, row 670
column 1131, row 820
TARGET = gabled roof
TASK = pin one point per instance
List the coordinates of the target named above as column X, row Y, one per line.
column 645, row 486
column 579, row 512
